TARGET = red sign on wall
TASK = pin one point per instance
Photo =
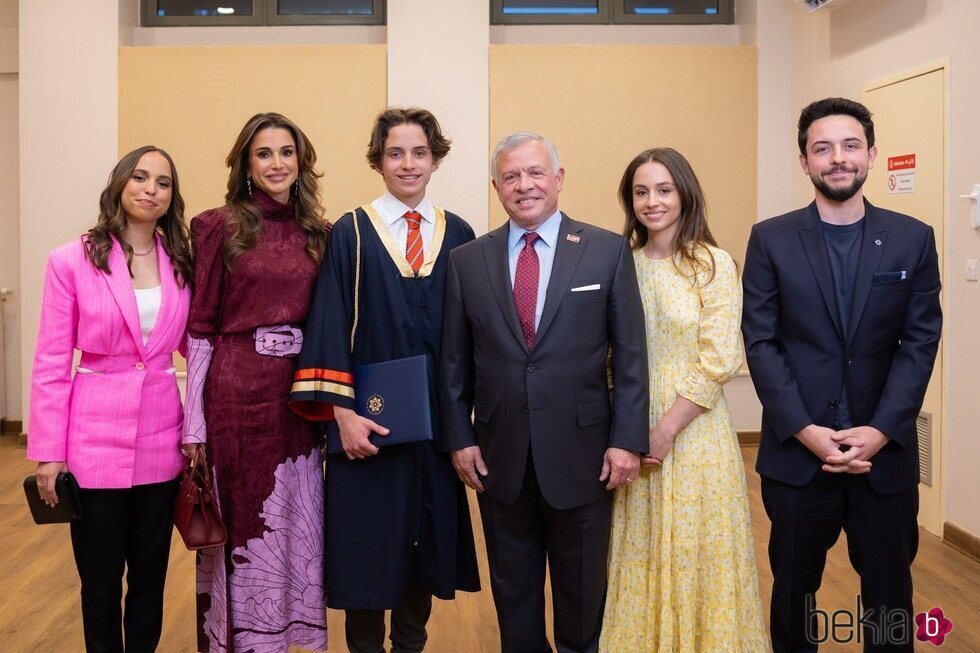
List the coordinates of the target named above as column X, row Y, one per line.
column 901, row 174
column 903, row 162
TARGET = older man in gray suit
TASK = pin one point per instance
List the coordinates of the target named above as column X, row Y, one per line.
column 532, row 309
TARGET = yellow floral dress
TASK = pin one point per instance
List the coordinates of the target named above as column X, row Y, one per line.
column 682, row 571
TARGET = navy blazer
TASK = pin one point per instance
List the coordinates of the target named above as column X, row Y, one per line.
column 800, row 357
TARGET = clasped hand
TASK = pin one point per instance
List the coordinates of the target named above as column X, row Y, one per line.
column 863, row 443
column 619, row 467
column 661, row 442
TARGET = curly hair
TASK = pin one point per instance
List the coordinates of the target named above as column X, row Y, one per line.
column 439, row 144
column 171, row 228
column 692, row 233
column 245, row 217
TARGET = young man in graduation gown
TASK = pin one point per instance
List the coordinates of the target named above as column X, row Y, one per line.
column 397, row 522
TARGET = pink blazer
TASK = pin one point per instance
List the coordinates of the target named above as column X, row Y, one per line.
column 118, row 425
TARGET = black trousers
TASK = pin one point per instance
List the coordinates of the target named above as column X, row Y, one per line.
column 521, row 538
column 365, row 629
column 882, row 540
column 123, row 529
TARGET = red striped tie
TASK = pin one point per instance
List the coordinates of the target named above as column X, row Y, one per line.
column 413, row 245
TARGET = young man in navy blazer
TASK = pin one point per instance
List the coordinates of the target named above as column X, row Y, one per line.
column 842, row 323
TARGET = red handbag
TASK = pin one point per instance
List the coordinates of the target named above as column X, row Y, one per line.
column 196, row 513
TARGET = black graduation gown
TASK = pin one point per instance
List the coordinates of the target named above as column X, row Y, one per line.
column 404, row 509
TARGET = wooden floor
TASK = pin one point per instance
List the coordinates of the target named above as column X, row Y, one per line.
column 39, row 609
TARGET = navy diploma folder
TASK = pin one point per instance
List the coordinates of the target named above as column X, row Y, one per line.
column 394, row 394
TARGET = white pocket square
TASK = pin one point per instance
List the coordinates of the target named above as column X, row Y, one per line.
column 593, row 286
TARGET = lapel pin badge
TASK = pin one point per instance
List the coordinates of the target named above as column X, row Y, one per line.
column 572, row 238
column 878, row 242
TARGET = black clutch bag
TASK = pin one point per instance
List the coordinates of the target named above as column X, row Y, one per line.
column 69, row 505
column 394, row 394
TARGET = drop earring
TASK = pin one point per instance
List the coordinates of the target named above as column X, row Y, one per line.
column 248, row 180
column 296, row 188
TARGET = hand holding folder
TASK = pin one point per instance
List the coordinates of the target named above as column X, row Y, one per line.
column 395, row 395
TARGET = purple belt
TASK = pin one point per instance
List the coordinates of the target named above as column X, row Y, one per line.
column 281, row 340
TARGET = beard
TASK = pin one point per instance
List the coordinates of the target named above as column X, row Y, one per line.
column 840, row 194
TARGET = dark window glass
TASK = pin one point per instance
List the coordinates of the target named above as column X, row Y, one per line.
column 202, row 8
column 326, row 7
column 671, row 7
column 550, row 7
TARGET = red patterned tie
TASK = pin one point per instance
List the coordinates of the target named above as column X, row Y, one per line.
column 413, row 245
column 526, row 287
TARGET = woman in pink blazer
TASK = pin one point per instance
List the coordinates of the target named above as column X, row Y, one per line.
column 120, row 295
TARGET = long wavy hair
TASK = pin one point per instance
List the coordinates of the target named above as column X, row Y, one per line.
column 111, row 222
column 245, row 217
column 692, row 236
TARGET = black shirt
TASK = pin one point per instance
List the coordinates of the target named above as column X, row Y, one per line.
column 843, row 249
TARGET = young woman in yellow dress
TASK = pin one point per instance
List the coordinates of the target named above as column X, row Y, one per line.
column 682, row 571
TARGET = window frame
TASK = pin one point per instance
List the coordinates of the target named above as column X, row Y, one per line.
column 378, row 16
column 264, row 12
column 498, row 17
column 150, row 19
column 725, row 16
column 613, row 12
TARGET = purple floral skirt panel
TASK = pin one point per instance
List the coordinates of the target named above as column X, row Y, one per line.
column 263, row 591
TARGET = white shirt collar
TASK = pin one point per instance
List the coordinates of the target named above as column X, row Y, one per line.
column 393, row 209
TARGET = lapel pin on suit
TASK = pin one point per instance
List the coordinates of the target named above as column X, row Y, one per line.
column 878, row 242
column 572, row 238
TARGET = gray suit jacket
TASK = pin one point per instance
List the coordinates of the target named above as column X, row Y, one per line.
column 550, row 405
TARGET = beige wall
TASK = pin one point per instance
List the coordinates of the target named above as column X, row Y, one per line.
column 9, row 250
column 768, row 30
column 838, row 54
column 699, row 100
column 68, row 135
column 331, row 92
column 256, row 35
column 9, row 210
column 448, row 77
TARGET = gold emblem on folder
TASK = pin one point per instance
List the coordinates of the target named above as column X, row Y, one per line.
column 375, row 404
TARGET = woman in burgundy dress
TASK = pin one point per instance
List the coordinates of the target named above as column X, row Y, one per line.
column 256, row 264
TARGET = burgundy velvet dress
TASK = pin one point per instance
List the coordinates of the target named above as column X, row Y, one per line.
column 264, row 590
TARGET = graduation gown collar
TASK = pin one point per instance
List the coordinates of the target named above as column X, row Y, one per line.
column 397, row 253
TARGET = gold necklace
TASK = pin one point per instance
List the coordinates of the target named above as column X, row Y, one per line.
column 139, row 253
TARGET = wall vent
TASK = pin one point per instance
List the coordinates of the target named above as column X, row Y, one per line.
column 827, row 5
column 923, row 431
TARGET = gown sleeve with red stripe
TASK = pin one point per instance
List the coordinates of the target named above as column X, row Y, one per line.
column 401, row 512
column 323, row 371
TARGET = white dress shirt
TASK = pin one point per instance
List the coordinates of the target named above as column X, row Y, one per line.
column 392, row 212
